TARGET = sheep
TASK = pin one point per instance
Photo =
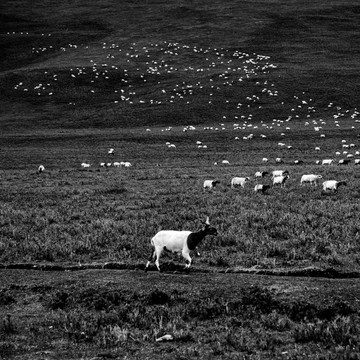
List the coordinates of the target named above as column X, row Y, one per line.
column 298, row 162
column 178, row 242
column 310, row 178
column 279, row 161
column 333, row 185
column 116, row 164
column 125, row 163
column 41, row 169
column 261, row 188
column 357, row 162
column 111, row 151
column 260, row 174
column 280, row 180
column 239, row 181
column 276, row 173
column 327, row 162
column 85, row 165
column 265, row 159
column 225, row 162
column 209, row 184
column 344, row 162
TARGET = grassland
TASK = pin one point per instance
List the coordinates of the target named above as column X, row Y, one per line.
column 78, row 79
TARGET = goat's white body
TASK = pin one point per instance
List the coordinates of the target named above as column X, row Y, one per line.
column 171, row 240
column 239, row 181
column 310, row 178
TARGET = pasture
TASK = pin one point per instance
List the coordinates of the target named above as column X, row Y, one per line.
column 185, row 92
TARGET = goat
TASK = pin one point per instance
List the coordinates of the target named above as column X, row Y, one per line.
column 344, row 161
column 260, row 174
column 261, row 188
column 333, row 185
column 178, row 242
column 209, row 184
column 327, row 162
column 280, row 180
column 276, row 173
column 41, row 169
column 239, row 181
column 310, row 178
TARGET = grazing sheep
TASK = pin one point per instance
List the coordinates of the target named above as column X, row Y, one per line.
column 333, row 185
column 102, row 164
column 279, row 161
column 178, row 242
column 209, row 184
column 260, row 174
column 265, row 159
column 344, row 161
column 125, row 163
column 261, row 188
column 310, row 178
column 280, row 180
column 239, row 181
column 276, row 173
column 225, row 162
column 41, row 169
column 327, row 162
column 85, row 165
column 116, row 164
column 111, row 151
column 298, row 162
column 357, row 162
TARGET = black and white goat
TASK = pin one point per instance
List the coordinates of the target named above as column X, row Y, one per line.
column 181, row 242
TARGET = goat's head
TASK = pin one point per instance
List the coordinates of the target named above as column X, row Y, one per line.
column 209, row 230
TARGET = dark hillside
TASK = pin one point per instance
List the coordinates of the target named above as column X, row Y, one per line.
column 131, row 63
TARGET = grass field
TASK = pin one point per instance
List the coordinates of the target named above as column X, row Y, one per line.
column 249, row 80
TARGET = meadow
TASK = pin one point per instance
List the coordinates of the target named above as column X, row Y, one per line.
column 248, row 80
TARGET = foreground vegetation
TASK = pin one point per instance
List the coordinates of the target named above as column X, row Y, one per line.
column 109, row 314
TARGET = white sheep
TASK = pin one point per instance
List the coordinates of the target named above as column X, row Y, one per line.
column 261, row 188
column 41, row 169
column 239, row 181
column 265, row 159
column 333, row 185
column 344, row 161
column 276, row 173
column 85, row 165
column 279, row 161
column 116, row 164
column 327, row 162
column 310, row 178
column 357, row 162
column 111, row 151
column 178, row 242
column 225, row 162
column 209, row 184
column 280, row 180
column 125, row 163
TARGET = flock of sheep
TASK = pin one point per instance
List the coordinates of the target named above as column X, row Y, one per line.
column 279, row 178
